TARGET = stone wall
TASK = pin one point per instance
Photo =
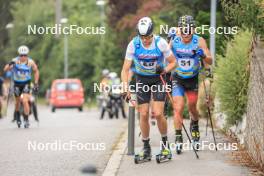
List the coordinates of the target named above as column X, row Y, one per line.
column 254, row 131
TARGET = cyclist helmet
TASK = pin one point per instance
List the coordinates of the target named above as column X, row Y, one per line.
column 23, row 50
column 105, row 72
column 145, row 26
column 112, row 75
column 186, row 21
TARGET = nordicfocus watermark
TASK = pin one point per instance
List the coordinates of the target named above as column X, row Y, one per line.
column 203, row 145
column 59, row 145
column 203, row 29
column 138, row 87
column 66, row 30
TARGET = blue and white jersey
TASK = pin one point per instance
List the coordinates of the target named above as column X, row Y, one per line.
column 22, row 71
column 146, row 59
column 188, row 63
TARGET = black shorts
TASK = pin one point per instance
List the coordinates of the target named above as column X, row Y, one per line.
column 20, row 88
column 147, row 86
column 181, row 85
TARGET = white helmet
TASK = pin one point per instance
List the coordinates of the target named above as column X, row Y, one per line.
column 145, row 26
column 112, row 75
column 105, row 72
column 23, row 50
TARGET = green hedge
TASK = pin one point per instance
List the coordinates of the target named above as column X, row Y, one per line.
column 232, row 77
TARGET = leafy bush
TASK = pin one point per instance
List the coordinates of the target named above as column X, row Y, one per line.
column 232, row 76
column 245, row 13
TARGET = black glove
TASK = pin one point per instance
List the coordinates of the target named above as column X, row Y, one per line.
column 36, row 88
column 126, row 97
column 160, row 70
column 208, row 73
column 11, row 63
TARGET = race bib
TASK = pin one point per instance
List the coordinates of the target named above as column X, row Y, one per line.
column 186, row 63
column 148, row 65
column 21, row 74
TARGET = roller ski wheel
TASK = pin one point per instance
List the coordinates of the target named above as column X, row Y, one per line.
column 165, row 155
column 196, row 144
column 142, row 157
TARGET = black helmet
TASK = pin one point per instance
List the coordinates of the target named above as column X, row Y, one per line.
column 145, row 26
column 186, row 21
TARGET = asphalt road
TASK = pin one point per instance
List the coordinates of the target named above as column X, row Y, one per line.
column 44, row 149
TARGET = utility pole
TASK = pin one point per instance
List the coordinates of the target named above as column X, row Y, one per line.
column 213, row 25
column 57, row 15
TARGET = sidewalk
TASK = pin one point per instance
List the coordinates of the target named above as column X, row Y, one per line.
column 210, row 162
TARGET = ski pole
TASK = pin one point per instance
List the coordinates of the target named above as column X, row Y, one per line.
column 206, row 99
column 171, row 100
column 209, row 114
column 8, row 97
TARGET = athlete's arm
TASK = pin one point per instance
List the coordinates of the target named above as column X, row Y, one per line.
column 166, row 50
column 9, row 66
column 127, row 65
column 203, row 46
column 36, row 72
column 171, row 63
column 125, row 73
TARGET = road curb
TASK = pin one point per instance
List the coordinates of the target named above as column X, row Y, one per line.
column 117, row 155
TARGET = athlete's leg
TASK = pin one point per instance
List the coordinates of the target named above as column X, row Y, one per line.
column 157, row 109
column 192, row 97
column 178, row 107
column 17, row 92
column 178, row 104
column 144, row 120
column 25, row 102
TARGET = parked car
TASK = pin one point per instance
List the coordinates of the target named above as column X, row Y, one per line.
column 66, row 93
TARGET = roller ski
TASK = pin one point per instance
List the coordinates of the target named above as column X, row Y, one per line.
column 165, row 153
column 144, row 155
column 179, row 143
column 195, row 134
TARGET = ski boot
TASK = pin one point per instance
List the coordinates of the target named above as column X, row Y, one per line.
column 165, row 153
column 195, row 134
column 178, row 142
column 26, row 121
column 17, row 119
column 144, row 155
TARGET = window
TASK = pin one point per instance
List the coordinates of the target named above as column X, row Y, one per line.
column 61, row 86
column 73, row 86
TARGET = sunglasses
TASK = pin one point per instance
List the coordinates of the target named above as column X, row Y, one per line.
column 146, row 37
column 23, row 55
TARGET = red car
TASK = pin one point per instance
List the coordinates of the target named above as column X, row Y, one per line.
column 66, row 93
